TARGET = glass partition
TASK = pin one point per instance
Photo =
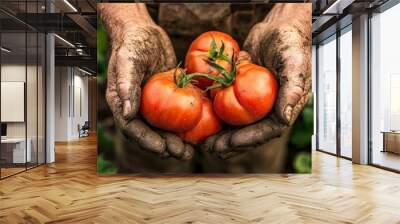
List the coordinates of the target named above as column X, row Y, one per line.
column 15, row 150
column 327, row 95
column 346, row 92
column 32, row 98
column 41, row 97
column 22, row 88
column 385, row 89
column 314, row 90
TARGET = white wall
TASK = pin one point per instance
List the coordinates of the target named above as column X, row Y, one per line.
column 71, row 93
column 80, row 100
column 11, row 73
column 16, row 73
column 33, row 127
column 61, row 103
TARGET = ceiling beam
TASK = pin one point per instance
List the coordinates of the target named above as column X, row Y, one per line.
column 88, row 29
column 337, row 7
column 320, row 23
column 79, row 61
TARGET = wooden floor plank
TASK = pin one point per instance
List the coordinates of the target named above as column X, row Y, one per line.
column 70, row 191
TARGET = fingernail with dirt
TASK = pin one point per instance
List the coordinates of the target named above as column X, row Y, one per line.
column 288, row 113
column 126, row 108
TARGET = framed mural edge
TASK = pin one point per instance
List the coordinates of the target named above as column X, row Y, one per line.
column 204, row 88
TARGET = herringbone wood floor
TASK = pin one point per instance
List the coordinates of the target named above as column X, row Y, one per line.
column 70, row 191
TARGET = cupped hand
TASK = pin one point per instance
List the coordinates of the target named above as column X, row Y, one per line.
column 282, row 43
column 137, row 53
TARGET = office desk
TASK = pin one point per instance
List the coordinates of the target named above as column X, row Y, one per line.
column 13, row 150
column 391, row 141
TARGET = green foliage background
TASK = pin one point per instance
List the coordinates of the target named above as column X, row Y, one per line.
column 105, row 142
column 299, row 144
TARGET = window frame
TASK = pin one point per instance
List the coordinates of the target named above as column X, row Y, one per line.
column 338, row 34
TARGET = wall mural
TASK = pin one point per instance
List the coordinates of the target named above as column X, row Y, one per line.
column 204, row 88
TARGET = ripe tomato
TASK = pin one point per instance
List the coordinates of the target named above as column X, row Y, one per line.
column 167, row 106
column 250, row 97
column 208, row 125
column 208, row 46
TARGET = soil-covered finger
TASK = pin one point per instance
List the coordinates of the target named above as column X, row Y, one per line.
column 208, row 144
column 188, row 152
column 175, row 146
column 287, row 51
column 112, row 97
column 257, row 134
column 130, row 72
column 149, row 140
column 252, row 42
column 298, row 108
column 144, row 51
column 222, row 144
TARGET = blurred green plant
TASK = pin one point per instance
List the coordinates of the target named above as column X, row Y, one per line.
column 302, row 129
column 302, row 162
column 102, row 46
column 106, row 146
column 300, row 140
column 105, row 141
column 104, row 166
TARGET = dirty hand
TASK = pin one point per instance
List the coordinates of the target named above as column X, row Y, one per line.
column 282, row 43
column 140, row 48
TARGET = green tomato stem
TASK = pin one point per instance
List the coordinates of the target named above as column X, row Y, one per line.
column 213, row 54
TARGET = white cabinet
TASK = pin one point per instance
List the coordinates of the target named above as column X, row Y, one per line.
column 17, row 145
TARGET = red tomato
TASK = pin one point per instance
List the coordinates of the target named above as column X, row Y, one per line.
column 202, row 50
column 208, row 125
column 165, row 105
column 251, row 96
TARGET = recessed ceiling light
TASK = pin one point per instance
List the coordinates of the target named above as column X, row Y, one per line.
column 65, row 41
column 337, row 7
column 70, row 5
column 84, row 71
column 5, row 50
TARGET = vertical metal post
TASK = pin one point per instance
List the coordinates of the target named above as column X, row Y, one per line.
column 69, row 91
column 316, row 96
column 45, row 95
column 338, row 76
column 37, row 89
column 369, row 96
column 360, row 89
column 0, row 95
column 26, row 87
column 50, row 91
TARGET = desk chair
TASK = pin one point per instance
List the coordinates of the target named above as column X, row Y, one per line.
column 84, row 130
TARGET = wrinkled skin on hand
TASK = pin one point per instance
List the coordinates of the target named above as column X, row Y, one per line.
column 139, row 52
column 282, row 43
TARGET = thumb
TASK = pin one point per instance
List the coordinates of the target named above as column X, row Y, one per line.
column 295, row 82
column 129, row 79
column 288, row 53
